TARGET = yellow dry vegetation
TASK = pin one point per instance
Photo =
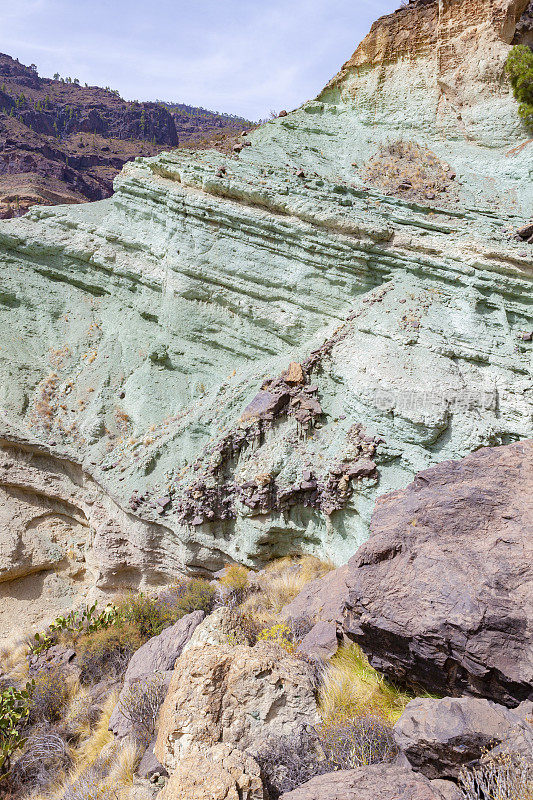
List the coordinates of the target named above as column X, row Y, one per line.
column 352, row 688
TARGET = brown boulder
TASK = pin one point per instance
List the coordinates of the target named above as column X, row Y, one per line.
column 383, row 781
column 441, row 736
column 441, row 595
column 236, row 695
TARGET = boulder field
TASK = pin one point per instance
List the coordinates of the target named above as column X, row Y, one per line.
column 234, row 356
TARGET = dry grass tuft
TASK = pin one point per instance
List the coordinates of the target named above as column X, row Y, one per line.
column 352, row 688
column 279, row 583
column 14, row 661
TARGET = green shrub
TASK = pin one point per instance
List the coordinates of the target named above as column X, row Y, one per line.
column 519, row 67
column 107, row 652
column 195, row 595
column 14, row 710
column 149, row 615
column 48, row 697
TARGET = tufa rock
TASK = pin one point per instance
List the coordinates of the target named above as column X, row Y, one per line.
column 423, row 596
column 441, row 736
column 220, row 772
column 235, row 695
column 383, row 781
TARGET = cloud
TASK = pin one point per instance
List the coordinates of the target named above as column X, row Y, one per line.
column 232, row 55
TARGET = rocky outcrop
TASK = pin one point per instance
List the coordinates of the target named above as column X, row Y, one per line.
column 61, row 142
column 158, row 369
column 219, row 772
column 158, row 655
column 237, row 696
column 424, row 596
column 439, row 737
column 386, row 781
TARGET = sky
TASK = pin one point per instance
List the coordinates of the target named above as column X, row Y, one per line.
column 245, row 57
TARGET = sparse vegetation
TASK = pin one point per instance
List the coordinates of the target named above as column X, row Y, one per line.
column 409, row 169
column 280, row 582
column 506, row 776
column 357, row 742
column 107, row 652
column 48, row 697
column 519, row 67
column 140, row 704
column 236, row 583
column 351, row 688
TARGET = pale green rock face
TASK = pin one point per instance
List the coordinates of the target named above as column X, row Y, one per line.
column 136, row 330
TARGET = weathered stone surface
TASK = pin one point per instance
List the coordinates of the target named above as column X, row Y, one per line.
column 159, row 654
column 149, row 767
column 214, row 629
column 440, row 736
column 383, row 781
column 235, row 695
column 321, row 641
column 442, row 593
column 219, row 772
column 168, row 304
column 448, row 789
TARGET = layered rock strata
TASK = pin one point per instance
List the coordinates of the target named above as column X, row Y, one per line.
column 237, row 355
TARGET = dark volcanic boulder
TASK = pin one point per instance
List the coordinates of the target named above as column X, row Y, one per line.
column 383, row 781
column 442, row 593
column 440, row 736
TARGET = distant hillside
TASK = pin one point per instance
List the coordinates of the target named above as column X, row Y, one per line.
column 198, row 127
column 61, row 142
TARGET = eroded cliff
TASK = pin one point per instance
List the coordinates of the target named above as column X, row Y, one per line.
column 232, row 357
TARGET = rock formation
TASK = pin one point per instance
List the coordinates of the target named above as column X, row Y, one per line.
column 237, row 696
column 150, row 415
column 441, row 594
column 439, row 737
column 386, row 781
column 61, row 142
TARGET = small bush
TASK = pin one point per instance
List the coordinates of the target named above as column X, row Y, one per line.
column 351, row 688
column 278, row 634
column 46, row 755
column 140, row 703
column 148, row 615
column 48, row 697
column 288, row 761
column 107, row 652
column 196, row 595
column 236, row 584
column 357, row 743
column 506, row 776
column 519, row 67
